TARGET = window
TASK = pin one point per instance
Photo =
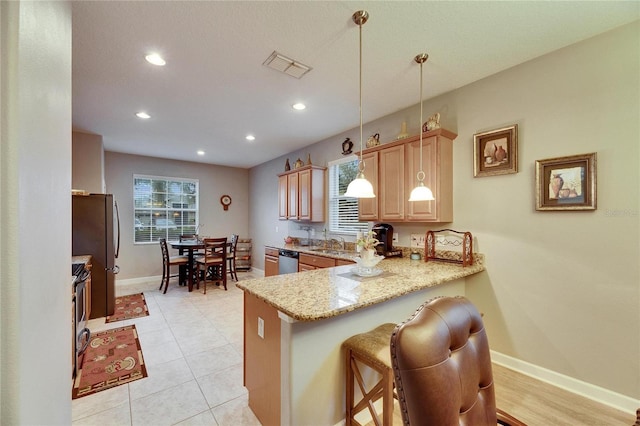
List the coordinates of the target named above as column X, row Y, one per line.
column 343, row 211
column 164, row 208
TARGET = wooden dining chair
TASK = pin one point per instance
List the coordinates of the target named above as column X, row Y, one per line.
column 213, row 265
column 168, row 262
column 231, row 257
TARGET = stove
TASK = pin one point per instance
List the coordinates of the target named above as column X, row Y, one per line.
column 81, row 334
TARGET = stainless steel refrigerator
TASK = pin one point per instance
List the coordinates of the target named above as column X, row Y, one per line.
column 96, row 232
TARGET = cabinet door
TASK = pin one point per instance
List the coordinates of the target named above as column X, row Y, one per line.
column 270, row 266
column 304, row 195
column 391, row 197
column 303, row 267
column 437, row 166
column 368, row 207
column 283, row 197
column 293, row 196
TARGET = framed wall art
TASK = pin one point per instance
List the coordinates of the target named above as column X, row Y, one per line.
column 495, row 152
column 566, row 183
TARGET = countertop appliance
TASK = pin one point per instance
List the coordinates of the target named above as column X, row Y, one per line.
column 287, row 261
column 384, row 234
column 96, row 232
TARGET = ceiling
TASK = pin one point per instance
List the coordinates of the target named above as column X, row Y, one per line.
column 214, row 90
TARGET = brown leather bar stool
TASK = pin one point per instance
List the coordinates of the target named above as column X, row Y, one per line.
column 370, row 349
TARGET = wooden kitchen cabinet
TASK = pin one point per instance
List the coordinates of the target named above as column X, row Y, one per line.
column 391, row 184
column 283, row 197
column 304, row 197
column 437, row 157
column 270, row 261
column 307, row 262
column 368, row 207
column 396, row 167
column 340, row 262
column 293, row 190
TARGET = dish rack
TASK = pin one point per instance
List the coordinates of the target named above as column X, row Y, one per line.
column 464, row 239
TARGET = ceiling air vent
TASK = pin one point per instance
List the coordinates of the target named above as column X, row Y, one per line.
column 286, row 65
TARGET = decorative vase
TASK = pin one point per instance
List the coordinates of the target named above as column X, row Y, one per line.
column 308, row 159
column 403, row 131
column 287, row 166
column 556, row 184
column 500, row 154
column 298, row 164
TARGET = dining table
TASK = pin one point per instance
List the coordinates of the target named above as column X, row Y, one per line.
column 190, row 246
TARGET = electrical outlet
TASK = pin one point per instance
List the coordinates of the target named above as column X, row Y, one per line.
column 417, row 240
column 261, row 327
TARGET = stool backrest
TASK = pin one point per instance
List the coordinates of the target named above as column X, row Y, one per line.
column 442, row 366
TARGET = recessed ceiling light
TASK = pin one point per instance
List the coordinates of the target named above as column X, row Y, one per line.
column 299, row 106
column 200, row 152
column 142, row 114
column 250, row 138
column 155, row 59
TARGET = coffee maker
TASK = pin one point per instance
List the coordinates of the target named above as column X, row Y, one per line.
column 384, row 234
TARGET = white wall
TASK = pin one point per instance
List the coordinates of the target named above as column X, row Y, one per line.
column 144, row 260
column 563, row 288
column 35, row 213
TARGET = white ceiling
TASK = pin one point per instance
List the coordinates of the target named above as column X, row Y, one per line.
column 214, row 89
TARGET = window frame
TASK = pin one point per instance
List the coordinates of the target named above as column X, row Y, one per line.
column 146, row 232
column 334, row 198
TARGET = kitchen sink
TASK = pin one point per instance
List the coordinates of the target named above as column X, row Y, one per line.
column 329, row 251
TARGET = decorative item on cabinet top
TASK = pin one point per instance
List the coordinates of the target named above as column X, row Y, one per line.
column 403, row 131
column 347, row 147
column 374, row 140
column 298, row 164
column 432, row 123
column 287, row 166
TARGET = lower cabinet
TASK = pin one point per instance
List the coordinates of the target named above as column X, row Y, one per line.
column 307, row 262
column 270, row 261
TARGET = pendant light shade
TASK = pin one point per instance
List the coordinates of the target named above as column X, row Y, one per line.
column 360, row 187
column 421, row 192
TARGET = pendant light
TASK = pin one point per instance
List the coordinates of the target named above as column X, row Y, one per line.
column 360, row 187
column 421, row 192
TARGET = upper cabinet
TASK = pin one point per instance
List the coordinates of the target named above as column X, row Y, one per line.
column 395, row 167
column 301, row 194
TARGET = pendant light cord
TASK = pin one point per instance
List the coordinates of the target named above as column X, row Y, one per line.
column 421, row 169
column 361, row 164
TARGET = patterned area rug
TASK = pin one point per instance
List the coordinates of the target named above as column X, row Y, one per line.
column 127, row 307
column 112, row 358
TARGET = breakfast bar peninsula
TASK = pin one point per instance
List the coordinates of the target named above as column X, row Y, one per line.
column 294, row 326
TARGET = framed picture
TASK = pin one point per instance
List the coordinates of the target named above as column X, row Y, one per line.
column 566, row 183
column 495, row 152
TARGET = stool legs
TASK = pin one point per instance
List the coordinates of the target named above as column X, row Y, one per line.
column 382, row 389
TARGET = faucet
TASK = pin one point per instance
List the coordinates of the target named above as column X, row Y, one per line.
column 308, row 229
column 338, row 240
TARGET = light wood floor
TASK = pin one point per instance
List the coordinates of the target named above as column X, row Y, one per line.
column 537, row 403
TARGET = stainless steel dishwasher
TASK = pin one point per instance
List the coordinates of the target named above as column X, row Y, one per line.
column 287, row 261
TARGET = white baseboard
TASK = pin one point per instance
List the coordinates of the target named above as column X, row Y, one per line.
column 587, row 390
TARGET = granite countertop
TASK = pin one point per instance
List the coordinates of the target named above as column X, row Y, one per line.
column 318, row 250
column 325, row 293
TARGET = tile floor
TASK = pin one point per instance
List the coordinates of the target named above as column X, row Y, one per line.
column 192, row 346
